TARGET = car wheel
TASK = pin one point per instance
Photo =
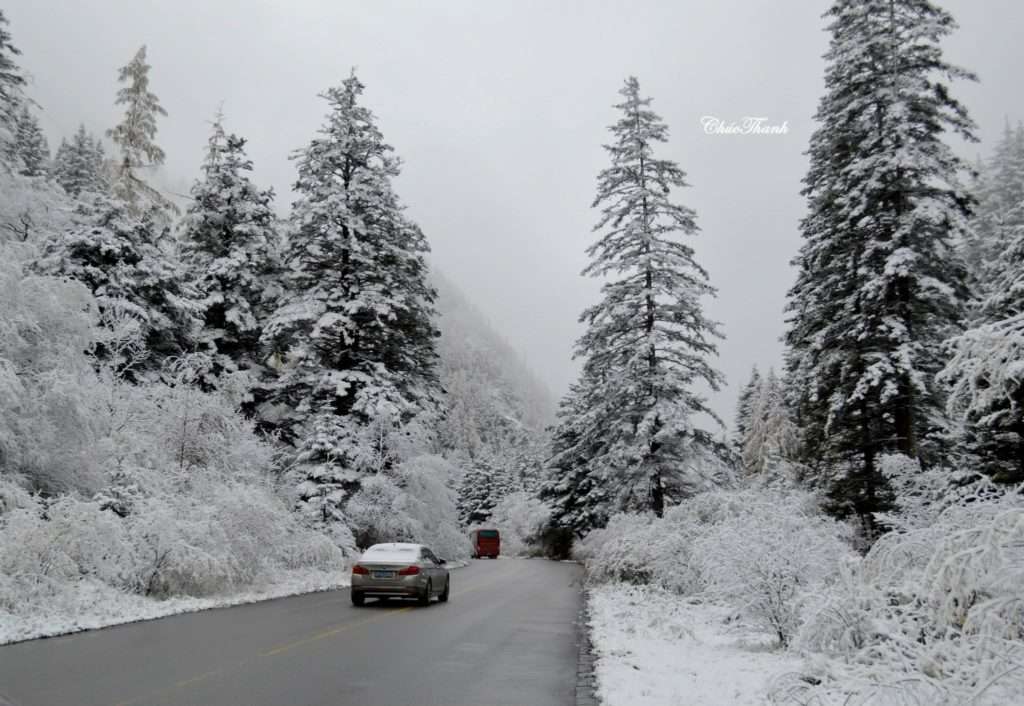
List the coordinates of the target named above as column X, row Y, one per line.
column 444, row 594
column 424, row 597
column 358, row 599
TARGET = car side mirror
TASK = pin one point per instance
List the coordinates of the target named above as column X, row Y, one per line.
column 442, row 562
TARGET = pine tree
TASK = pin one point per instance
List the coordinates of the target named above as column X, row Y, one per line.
column 29, row 149
column 770, row 437
column 579, row 501
column 78, row 165
column 743, row 405
column 117, row 255
column 134, row 137
column 879, row 283
column 647, row 341
column 478, row 494
column 229, row 247
column 322, row 483
column 11, row 83
column 985, row 374
column 354, row 330
column 999, row 189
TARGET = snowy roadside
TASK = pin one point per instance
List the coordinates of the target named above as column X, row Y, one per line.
column 658, row 649
column 89, row 605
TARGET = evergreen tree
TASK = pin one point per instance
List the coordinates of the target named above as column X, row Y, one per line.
column 78, row 165
column 770, row 437
column 647, row 341
column 479, row 492
column 879, row 283
column 579, row 501
column 354, row 330
column 322, row 483
column 229, row 247
column 11, row 83
column 29, row 149
column 117, row 255
column 743, row 406
column 999, row 189
column 985, row 373
column 134, row 137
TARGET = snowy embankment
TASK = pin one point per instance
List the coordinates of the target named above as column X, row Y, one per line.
column 751, row 596
column 90, row 604
column 655, row 649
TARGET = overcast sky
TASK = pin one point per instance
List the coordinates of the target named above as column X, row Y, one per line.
column 499, row 111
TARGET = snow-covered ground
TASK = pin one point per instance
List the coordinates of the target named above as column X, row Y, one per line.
column 90, row 605
column 658, row 649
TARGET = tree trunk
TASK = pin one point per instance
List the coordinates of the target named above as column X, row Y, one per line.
column 657, row 495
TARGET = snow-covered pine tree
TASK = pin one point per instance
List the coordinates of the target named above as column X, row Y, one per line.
column 744, row 404
column 999, row 189
column 29, row 149
column 229, row 248
column 118, row 256
column 60, row 159
column 354, row 329
column 986, row 372
column 579, row 501
column 11, row 83
column 879, row 283
column 647, row 342
column 770, row 437
column 78, row 165
column 478, row 494
column 134, row 137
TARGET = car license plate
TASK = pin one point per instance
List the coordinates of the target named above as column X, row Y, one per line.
column 383, row 574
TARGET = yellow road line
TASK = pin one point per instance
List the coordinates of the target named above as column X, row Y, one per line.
column 330, row 633
column 281, row 649
column 196, row 680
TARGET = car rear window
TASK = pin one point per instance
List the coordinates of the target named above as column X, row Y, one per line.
column 489, row 534
column 391, row 554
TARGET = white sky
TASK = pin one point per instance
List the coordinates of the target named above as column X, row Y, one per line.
column 499, row 111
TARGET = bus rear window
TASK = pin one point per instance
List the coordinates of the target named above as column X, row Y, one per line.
column 489, row 534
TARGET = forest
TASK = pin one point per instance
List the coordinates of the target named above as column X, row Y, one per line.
column 220, row 397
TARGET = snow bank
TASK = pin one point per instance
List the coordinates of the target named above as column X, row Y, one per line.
column 90, row 604
column 687, row 609
column 762, row 550
column 654, row 649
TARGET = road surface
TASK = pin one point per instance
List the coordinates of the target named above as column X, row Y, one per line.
column 506, row 638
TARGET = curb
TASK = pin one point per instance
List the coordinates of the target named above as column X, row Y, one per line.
column 586, row 673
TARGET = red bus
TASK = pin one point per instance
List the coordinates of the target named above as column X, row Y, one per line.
column 486, row 542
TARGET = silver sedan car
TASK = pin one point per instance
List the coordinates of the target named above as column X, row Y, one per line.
column 399, row 570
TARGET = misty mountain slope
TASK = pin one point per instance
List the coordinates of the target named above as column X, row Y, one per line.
column 496, row 405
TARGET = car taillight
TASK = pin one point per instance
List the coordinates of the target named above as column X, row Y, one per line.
column 409, row 571
column 361, row 570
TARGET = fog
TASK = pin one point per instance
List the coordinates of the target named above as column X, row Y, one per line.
column 499, row 111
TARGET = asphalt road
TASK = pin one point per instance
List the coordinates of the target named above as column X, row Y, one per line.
column 506, row 638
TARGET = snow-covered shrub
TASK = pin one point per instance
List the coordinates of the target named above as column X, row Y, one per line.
column 46, row 325
column 521, row 518
column 706, row 543
column 641, row 549
column 429, row 500
column 13, row 494
column 770, row 558
column 182, row 550
column 932, row 615
column 923, row 494
column 373, row 513
column 49, row 549
column 413, row 502
column 31, row 208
